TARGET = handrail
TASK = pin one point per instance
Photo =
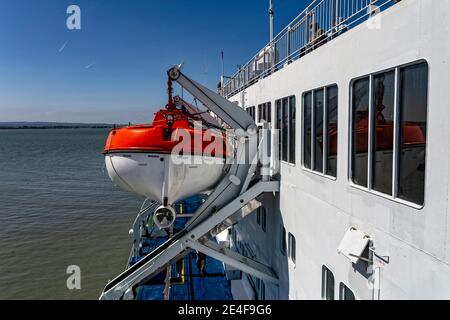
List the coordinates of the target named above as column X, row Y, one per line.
column 320, row 22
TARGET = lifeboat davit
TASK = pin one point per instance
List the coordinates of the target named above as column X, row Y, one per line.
column 179, row 155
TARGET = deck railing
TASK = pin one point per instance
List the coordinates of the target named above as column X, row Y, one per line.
column 320, row 22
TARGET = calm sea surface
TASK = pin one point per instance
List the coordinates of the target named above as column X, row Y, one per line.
column 59, row 208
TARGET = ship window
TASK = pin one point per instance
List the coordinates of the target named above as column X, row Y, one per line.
column 292, row 129
column 261, row 217
column 265, row 112
column 389, row 122
column 292, row 248
column 318, row 130
column 345, row 293
column 251, row 111
column 278, row 125
column 360, row 124
column 320, row 124
column 332, row 130
column 283, row 239
column 413, row 119
column 284, row 130
column 285, row 112
column 307, row 115
column 383, row 92
column 261, row 289
column 327, row 284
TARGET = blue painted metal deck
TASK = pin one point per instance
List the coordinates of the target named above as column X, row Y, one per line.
column 186, row 280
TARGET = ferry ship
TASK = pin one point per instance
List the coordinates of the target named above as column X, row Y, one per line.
column 348, row 105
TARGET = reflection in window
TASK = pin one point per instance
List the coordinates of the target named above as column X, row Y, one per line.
column 278, row 126
column 265, row 112
column 320, row 110
column 332, row 130
column 292, row 129
column 383, row 109
column 327, row 284
column 286, row 116
column 307, row 103
column 345, row 293
column 284, row 130
column 318, row 130
column 360, row 129
column 413, row 119
column 398, row 132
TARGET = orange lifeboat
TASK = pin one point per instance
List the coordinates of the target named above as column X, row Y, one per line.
column 179, row 155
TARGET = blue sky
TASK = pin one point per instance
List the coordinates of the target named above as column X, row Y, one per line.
column 113, row 69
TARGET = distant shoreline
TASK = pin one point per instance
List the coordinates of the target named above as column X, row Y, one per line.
column 53, row 127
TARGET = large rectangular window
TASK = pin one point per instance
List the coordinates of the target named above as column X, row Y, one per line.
column 285, row 123
column 389, row 121
column 320, row 130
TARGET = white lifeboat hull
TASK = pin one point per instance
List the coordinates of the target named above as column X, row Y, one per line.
column 164, row 178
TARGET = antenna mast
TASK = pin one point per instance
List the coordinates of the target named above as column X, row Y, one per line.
column 271, row 14
column 222, row 77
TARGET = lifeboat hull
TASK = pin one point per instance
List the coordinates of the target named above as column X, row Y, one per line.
column 165, row 178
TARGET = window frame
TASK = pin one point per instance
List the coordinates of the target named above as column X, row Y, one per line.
column 396, row 143
column 289, row 249
column 323, row 284
column 342, row 287
column 289, row 127
column 283, row 241
column 265, row 112
column 313, row 131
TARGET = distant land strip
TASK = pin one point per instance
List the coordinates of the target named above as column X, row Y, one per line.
column 56, row 125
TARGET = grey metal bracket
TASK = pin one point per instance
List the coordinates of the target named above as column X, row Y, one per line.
column 181, row 244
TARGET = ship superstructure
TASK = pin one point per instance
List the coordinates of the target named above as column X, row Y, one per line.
column 356, row 91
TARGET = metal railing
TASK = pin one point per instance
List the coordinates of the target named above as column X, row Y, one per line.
column 320, row 22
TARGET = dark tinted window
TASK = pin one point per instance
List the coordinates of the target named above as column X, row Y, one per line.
column 283, row 239
column 292, row 129
column 284, row 130
column 279, row 125
column 413, row 120
column 320, row 111
column 360, row 128
column 383, row 91
column 327, row 284
column 318, row 130
column 345, row 293
column 332, row 130
column 292, row 248
column 307, row 104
